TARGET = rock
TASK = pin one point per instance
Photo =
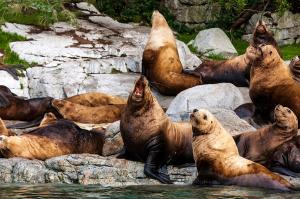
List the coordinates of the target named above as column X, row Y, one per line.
column 195, row 13
column 231, row 122
column 85, row 6
column 223, row 95
column 245, row 94
column 86, row 169
column 109, row 23
column 214, row 41
column 74, row 60
column 19, row 87
column 286, row 27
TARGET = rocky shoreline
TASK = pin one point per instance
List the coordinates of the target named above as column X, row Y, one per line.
column 104, row 55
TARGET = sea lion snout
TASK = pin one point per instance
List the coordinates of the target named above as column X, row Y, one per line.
column 285, row 117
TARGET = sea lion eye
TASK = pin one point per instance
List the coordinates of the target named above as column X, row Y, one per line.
column 205, row 117
column 289, row 111
column 271, row 52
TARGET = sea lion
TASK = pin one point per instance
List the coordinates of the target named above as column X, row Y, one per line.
column 295, row 68
column 87, row 114
column 49, row 118
column 60, row 138
column 286, row 158
column 150, row 136
column 237, row 69
column 218, row 160
column 161, row 64
column 94, row 99
column 13, row 107
column 260, row 144
column 271, row 83
column 262, row 35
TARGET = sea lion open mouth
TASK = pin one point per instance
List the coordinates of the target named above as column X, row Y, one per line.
column 139, row 89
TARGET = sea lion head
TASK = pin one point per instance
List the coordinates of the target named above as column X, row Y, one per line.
column 158, row 20
column 285, row 118
column 141, row 94
column 262, row 35
column 265, row 55
column 202, row 122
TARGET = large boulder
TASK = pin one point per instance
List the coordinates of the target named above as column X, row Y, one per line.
column 223, row 95
column 86, row 169
column 214, row 41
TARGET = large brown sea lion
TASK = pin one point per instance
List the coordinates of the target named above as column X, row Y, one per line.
column 13, row 107
column 55, row 139
column 150, row 136
column 94, row 99
column 259, row 145
column 286, row 158
column 237, row 69
column 271, row 83
column 86, row 114
column 218, row 160
column 161, row 63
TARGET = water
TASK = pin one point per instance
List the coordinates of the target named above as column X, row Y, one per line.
column 137, row 192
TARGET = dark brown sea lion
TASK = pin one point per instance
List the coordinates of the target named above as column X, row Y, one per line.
column 60, row 138
column 218, row 160
column 260, row 144
column 94, row 99
column 271, row 83
column 13, row 107
column 286, row 158
column 161, row 63
column 262, row 35
column 237, row 69
column 150, row 136
column 87, row 114
column 295, row 68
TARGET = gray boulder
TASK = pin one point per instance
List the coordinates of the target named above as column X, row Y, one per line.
column 223, row 95
column 214, row 41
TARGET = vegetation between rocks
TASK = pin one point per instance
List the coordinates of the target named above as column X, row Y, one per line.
column 9, row 56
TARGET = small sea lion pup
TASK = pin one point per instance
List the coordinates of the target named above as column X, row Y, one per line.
column 237, row 69
column 218, row 160
column 151, row 137
column 13, row 107
column 161, row 63
column 259, row 145
column 271, row 83
column 295, row 68
column 50, row 140
column 286, row 158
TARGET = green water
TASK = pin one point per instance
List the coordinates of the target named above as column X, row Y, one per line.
column 137, row 192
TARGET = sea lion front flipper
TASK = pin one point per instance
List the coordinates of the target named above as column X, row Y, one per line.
column 285, row 171
column 4, row 102
column 152, row 164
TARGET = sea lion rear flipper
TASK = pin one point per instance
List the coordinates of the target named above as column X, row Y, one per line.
column 285, row 171
column 151, row 168
column 4, row 102
column 24, row 125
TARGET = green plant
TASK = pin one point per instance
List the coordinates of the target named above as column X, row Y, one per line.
column 11, row 57
column 35, row 12
column 138, row 11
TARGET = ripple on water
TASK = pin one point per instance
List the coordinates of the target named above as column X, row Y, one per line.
column 137, row 192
